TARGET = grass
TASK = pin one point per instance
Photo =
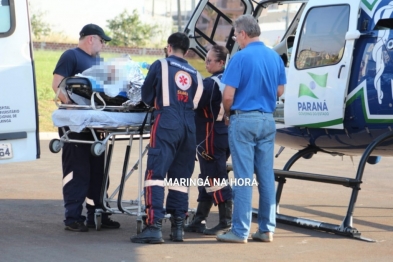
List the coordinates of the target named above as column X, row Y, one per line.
column 45, row 62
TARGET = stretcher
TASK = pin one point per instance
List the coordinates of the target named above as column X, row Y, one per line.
column 114, row 126
column 126, row 121
column 108, row 120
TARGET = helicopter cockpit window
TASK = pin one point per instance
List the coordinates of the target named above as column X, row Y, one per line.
column 5, row 17
column 215, row 25
column 322, row 38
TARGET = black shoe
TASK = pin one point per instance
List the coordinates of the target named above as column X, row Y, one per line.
column 225, row 216
column 198, row 223
column 108, row 223
column 77, row 227
column 150, row 235
column 196, row 226
column 177, row 232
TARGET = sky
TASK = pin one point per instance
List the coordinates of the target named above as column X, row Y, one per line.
column 69, row 16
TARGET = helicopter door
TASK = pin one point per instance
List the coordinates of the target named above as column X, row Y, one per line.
column 320, row 64
column 211, row 23
column 18, row 101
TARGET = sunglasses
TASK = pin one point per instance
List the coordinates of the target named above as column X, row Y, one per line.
column 103, row 42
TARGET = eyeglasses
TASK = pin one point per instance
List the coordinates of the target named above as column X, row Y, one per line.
column 208, row 61
column 103, row 42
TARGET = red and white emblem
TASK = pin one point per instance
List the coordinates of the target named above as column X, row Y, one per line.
column 183, row 80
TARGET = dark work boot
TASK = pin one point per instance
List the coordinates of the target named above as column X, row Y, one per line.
column 225, row 217
column 150, row 235
column 198, row 223
column 177, row 229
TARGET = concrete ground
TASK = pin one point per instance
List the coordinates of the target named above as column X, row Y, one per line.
column 31, row 214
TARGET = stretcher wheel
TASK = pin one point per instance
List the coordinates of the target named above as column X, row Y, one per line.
column 97, row 148
column 55, row 145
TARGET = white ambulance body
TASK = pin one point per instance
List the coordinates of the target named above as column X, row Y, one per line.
column 19, row 138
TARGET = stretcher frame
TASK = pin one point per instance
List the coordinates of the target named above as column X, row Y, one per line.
column 134, row 207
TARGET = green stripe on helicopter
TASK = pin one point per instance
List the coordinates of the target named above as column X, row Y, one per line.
column 370, row 3
column 360, row 94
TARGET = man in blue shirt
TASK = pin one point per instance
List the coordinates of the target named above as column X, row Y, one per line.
column 254, row 78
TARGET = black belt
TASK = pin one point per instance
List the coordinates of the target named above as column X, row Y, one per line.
column 236, row 112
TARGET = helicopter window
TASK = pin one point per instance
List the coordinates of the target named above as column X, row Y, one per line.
column 215, row 25
column 322, row 38
column 384, row 24
column 5, row 17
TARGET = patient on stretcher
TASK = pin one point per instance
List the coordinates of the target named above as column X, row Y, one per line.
column 114, row 82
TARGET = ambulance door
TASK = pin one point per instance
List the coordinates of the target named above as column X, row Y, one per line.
column 19, row 139
column 211, row 23
column 319, row 68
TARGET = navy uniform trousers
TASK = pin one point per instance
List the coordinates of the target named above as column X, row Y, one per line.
column 215, row 144
column 82, row 179
column 172, row 149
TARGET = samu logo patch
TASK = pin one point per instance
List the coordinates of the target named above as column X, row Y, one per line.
column 183, row 80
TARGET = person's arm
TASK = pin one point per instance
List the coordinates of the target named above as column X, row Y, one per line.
column 227, row 100
column 64, row 68
column 205, row 100
column 55, row 86
column 280, row 90
column 282, row 80
column 148, row 87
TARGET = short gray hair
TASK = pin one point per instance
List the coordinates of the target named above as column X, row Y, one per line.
column 248, row 24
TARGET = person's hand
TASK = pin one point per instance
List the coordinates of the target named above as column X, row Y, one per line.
column 226, row 118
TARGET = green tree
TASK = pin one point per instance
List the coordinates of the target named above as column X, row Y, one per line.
column 128, row 30
column 38, row 26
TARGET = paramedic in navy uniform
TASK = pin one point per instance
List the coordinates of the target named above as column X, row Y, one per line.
column 82, row 172
column 213, row 149
column 172, row 88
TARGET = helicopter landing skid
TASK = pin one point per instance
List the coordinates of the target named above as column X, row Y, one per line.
column 346, row 228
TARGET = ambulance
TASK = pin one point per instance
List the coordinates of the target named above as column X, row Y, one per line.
column 19, row 134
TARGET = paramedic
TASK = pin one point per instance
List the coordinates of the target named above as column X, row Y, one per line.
column 212, row 149
column 82, row 172
column 254, row 78
column 172, row 87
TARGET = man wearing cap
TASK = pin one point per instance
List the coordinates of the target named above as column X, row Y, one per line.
column 82, row 172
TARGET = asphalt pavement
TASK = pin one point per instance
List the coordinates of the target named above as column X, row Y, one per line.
column 32, row 229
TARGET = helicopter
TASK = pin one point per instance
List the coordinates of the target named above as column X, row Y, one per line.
column 338, row 98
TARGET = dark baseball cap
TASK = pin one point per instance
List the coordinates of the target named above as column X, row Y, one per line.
column 92, row 29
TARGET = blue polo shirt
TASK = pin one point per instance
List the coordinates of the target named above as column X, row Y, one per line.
column 256, row 71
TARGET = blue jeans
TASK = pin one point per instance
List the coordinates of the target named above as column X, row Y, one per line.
column 251, row 141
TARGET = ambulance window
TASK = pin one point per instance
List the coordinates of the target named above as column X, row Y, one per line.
column 322, row 38
column 5, row 16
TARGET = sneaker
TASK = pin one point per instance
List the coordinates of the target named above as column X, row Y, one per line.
column 108, row 223
column 262, row 236
column 77, row 227
column 231, row 238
